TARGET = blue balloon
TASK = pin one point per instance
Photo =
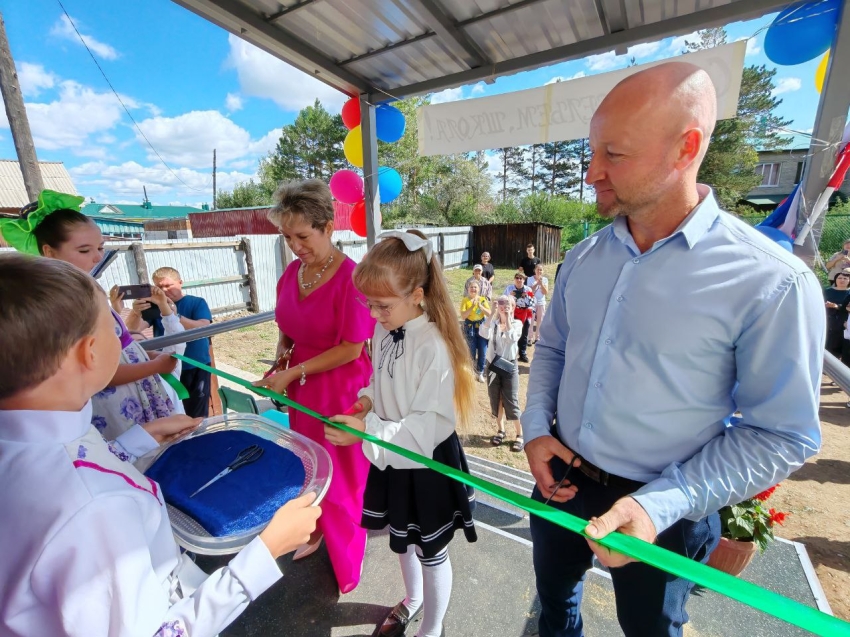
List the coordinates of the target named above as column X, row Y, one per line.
column 802, row 32
column 778, row 236
column 389, row 184
column 389, row 123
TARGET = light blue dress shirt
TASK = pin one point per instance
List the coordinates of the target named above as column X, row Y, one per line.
column 640, row 355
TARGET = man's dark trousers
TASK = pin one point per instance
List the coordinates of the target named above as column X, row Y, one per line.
column 650, row 602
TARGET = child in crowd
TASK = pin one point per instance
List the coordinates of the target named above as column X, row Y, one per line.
column 88, row 543
column 420, row 387
column 539, row 285
column 192, row 312
column 523, row 312
column 484, row 286
column 502, row 331
column 54, row 227
column 474, row 308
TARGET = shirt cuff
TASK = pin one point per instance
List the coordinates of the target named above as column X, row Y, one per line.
column 367, row 391
column 664, row 502
column 255, row 568
column 172, row 320
column 136, row 441
column 534, row 426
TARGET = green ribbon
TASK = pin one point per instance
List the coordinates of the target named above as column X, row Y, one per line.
column 774, row 604
column 18, row 231
column 175, row 384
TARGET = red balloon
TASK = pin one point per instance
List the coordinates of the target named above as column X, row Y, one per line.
column 351, row 114
column 357, row 218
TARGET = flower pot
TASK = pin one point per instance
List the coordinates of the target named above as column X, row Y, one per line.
column 732, row 556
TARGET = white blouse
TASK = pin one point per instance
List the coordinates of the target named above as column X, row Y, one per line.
column 412, row 392
column 503, row 343
column 88, row 547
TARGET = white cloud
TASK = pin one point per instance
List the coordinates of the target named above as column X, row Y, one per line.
column 447, row 95
column 640, row 51
column 233, row 102
column 189, row 139
column 604, row 61
column 69, row 120
column 753, row 47
column 787, row 85
column 65, row 29
column 678, row 44
column 263, row 75
column 479, row 89
column 562, row 78
column 34, row 78
column 113, row 183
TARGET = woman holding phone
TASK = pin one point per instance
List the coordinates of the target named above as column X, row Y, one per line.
column 836, row 298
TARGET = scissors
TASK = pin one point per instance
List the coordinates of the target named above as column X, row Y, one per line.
column 244, row 457
column 561, row 482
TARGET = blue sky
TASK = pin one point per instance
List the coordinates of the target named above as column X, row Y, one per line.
column 193, row 87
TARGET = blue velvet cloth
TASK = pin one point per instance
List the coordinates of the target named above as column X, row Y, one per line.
column 241, row 500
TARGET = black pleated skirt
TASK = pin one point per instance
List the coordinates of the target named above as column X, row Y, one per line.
column 421, row 506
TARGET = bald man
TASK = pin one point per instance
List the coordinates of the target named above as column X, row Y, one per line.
column 661, row 326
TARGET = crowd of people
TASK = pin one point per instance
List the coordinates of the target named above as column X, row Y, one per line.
column 626, row 419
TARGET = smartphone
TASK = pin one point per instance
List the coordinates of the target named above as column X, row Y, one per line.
column 108, row 257
column 133, row 292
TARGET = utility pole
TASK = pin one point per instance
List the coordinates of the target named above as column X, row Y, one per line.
column 214, row 206
column 17, row 115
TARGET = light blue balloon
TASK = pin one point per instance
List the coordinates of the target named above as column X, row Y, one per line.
column 778, row 236
column 389, row 184
column 389, row 123
column 802, row 32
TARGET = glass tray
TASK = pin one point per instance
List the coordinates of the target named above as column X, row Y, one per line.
column 318, row 471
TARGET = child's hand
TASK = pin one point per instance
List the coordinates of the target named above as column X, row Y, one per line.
column 116, row 299
column 359, row 409
column 164, row 363
column 140, row 305
column 167, row 429
column 342, row 438
column 160, row 300
column 291, row 526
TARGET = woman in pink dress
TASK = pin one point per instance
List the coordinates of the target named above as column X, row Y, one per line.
column 323, row 329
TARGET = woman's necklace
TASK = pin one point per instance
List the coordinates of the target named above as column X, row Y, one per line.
column 307, row 286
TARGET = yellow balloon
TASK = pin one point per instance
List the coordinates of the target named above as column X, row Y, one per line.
column 353, row 147
column 820, row 74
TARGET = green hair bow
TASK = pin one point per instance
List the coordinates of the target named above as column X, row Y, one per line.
column 18, row 230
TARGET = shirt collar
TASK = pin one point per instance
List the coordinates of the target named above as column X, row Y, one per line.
column 692, row 228
column 45, row 426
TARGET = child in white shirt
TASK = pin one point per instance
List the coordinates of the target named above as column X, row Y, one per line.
column 421, row 384
column 88, row 543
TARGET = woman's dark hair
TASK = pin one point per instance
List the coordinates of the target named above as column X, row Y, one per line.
column 54, row 229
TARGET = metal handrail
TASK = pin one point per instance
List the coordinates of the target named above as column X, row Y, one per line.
column 207, row 330
column 837, row 371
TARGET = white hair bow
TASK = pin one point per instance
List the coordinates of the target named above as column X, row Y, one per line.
column 411, row 241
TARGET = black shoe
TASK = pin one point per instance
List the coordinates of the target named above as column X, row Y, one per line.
column 396, row 621
column 523, row 359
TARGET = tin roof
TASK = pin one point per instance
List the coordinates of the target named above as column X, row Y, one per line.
column 397, row 48
column 13, row 193
column 129, row 212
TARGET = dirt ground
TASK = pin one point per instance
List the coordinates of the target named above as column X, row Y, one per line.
column 816, row 496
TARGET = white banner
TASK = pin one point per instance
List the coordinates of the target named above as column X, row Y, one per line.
column 557, row 111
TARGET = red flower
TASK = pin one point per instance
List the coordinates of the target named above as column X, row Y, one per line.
column 764, row 495
column 776, row 517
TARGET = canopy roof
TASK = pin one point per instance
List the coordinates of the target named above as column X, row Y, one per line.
column 396, row 48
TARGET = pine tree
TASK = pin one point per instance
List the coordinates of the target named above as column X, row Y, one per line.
column 514, row 174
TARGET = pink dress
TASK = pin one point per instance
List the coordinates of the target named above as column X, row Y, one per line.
column 329, row 315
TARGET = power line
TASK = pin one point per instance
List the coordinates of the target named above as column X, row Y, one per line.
column 120, row 101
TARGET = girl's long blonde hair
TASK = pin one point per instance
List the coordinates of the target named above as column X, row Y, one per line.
column 390, row 269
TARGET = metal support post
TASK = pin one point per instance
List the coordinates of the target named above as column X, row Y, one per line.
column 829, row 127
column 370, row 170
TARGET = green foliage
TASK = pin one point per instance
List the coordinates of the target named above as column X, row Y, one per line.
column 729, row 165
column 751, row 520
column 244, row 195
column 310, row 147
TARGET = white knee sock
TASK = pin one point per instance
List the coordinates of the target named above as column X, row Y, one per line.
column 411, row 572
column 437, row 579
